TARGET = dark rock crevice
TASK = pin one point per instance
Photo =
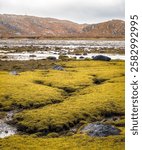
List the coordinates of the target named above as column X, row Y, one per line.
column 99, row 81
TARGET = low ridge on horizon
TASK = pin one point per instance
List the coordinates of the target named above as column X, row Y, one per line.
column 12, row 25
column 25, row 15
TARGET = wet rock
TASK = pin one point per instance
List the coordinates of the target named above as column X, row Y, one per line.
column 100, row 130
column 4, row 57
column 57, row 67
column 32, row 55
column 6, row 131
column 81, row 57
column 51, row 58
column 101, row 57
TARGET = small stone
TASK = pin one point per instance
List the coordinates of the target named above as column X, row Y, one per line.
column 57, row 67
column 6, row 131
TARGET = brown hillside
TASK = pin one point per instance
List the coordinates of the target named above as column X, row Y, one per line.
column 29, row 26
column 114, row 28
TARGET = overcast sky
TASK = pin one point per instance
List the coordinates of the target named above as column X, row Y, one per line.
column 81, row 11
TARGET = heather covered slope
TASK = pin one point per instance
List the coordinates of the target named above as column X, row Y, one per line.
column 29, row 26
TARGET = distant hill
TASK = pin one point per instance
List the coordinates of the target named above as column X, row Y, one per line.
column 36, row 27
column 114, row 28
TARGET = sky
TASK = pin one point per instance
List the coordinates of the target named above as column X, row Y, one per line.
column 80, row 11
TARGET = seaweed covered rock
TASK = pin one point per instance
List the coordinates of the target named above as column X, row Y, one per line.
column 63, row 57
column 100, row 130
column 51, row 58
column 101, row 57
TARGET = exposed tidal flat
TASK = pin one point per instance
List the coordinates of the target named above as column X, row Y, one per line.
column 71, row 49
column 63, row 43
column 58, row 103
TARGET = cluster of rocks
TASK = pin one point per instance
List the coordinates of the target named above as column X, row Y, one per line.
column 98, row 57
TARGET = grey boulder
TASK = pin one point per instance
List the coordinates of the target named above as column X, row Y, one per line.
column 101, row 57
column 100, row 130
column 51, row 58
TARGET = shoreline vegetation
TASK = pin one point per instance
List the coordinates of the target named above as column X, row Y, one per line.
column 53, row 104
column 78, row 51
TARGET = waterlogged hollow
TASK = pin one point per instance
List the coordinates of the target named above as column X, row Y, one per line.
column 6, row 129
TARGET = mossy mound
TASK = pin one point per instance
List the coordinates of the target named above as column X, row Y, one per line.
column 87, row 100
column 25, row 91
column 77, row 142
column 53, row 102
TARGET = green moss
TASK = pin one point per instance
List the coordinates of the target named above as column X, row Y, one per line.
column 53, row 135
column 85, row 102
column 89, row 102
column 119, row 122
column 2, row 115
column 77, row 142
column 23, row 92
column 63, row 57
